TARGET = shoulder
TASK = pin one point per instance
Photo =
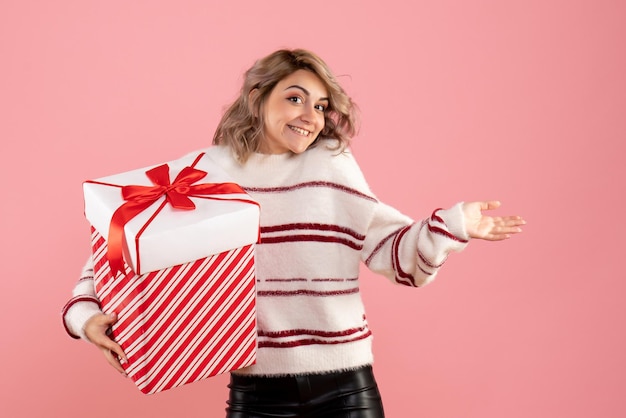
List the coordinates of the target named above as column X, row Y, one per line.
column 328, row 152
column 336, row 165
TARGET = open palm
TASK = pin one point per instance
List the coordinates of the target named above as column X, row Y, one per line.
column 491, row 228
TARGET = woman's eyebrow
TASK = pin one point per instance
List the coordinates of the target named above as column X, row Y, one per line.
column 305, row 91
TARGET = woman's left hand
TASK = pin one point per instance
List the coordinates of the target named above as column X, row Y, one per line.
column 491, row 228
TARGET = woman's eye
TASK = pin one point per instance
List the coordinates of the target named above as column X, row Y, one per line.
column 321, row 108
column 296, row 99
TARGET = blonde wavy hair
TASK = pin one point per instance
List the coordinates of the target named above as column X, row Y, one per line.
column 242, row 130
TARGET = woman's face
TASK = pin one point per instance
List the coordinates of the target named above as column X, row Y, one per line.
column 294, row 113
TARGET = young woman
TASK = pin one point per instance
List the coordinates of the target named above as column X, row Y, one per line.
column 285, row 140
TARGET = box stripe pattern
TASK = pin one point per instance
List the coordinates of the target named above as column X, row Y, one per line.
column 184, row 323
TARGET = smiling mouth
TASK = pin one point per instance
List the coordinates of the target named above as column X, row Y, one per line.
column 299, row 131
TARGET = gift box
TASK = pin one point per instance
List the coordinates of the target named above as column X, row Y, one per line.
column 181, row 318
column 157, row 223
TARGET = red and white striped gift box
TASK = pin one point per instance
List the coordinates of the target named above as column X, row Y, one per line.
column 183, row 323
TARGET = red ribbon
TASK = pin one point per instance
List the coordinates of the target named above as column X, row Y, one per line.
column 177, row 194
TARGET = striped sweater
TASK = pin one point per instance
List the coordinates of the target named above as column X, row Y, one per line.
column 319, row 221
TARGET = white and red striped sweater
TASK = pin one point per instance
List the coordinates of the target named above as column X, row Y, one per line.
column 319, row 220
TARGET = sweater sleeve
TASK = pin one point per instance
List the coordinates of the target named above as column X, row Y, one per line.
column 83, row 305
column 411, row 253
column 405, row 251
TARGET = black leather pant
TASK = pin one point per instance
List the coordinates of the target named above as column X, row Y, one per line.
column 351, row 394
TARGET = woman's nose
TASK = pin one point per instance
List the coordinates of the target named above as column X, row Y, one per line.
column 308, row 114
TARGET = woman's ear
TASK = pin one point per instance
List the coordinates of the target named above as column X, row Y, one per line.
column 252, row 98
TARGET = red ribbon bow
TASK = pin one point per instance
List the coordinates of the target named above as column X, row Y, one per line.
column 177, row 194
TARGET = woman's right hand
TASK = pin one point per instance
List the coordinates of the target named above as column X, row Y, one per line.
column 96, row 331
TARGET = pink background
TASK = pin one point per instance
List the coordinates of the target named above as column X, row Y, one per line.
column 523, row 101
